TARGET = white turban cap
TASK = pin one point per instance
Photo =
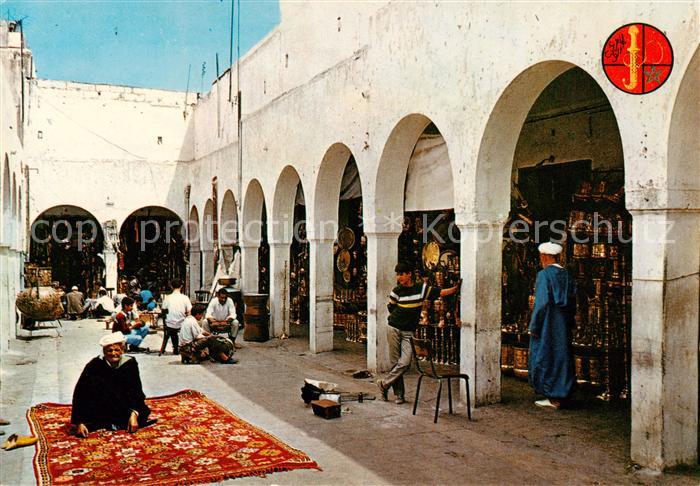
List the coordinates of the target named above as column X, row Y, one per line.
column 112, row 338
column 550, row 248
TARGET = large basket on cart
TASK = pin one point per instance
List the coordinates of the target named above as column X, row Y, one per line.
column 39, row 307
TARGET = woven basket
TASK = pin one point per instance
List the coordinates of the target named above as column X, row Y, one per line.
column 45, row 308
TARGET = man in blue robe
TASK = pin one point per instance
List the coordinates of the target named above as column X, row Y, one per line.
column 551, row 366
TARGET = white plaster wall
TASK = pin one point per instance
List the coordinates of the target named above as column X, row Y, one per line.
column 96, row 147
column 435, row 59
column 475, row 70
column 309, row 85
column 12, row 213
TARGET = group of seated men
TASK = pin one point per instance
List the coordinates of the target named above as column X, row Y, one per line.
column 193, row 341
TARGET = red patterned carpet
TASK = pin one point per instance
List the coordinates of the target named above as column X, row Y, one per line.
column 196, row 440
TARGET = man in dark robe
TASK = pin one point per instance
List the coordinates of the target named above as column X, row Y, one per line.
column 551, row 366
column 108, row 394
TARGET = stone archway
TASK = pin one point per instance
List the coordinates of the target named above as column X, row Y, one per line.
column 383, row 228
column 253, row 235
column 481, row 224
column 151, row 244
column 664, row 422
column 228, row 235
column 287, row 230
column 209, row 244
column 323, row 228
column 69, row 239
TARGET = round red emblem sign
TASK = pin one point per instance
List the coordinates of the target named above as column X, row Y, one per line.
column 637, row 58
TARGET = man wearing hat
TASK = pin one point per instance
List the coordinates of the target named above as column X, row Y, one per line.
column 75, row 303
column 551, row 366
column 108, row 394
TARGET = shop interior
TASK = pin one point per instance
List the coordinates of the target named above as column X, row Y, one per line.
column 67, row 247
column 568, row 186
column 151, row 248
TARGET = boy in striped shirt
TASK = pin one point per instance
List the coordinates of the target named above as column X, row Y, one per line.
column 405, row 304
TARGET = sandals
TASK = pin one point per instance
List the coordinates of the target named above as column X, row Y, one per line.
column 15, row 441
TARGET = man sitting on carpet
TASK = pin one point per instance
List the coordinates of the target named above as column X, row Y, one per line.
column 196, row 343
column 108, row 394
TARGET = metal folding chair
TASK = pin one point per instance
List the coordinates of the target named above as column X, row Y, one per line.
column 422, row 349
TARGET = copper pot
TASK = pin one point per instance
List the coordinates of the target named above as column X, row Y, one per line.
column 595, row 371
column 507, row 357
column 600, row 250
column 520, row 360
column 578, row 221
column 582, row 374
column 581, row 250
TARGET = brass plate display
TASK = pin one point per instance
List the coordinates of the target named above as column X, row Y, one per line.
column 346, row 238
column 343, row 260
column 431, row 255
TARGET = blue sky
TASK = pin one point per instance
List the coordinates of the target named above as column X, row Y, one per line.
column 145, row 43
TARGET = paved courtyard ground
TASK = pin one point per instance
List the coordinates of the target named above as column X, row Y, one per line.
column 372, row 443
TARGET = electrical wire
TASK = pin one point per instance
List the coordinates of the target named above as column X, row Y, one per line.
column 114, row 144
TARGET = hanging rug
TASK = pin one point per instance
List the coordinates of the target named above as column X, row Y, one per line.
column 195, row 440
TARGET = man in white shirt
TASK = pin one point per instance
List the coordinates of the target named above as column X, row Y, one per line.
column 221, row 316
column 196, row 343
column 176, row 307
column 104, row 306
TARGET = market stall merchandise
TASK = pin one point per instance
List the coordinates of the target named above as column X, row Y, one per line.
column 430, row 243
column 598, row 250
column 350, row 273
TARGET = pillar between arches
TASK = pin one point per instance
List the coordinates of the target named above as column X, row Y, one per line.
column 279, row 286
column 110, row 258
column 664, row 338
column 382, row 255
column 480, row 307
column 249, row 268
column 321, row 294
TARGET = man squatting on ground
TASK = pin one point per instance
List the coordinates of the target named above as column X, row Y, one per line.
column 405, row 305
column 221, row 316
column 135, row 331
column 109, row 394
column 196, row 343
column 551, row 366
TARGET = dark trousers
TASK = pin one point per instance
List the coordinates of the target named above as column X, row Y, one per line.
column 100, row 312
column 170, row 333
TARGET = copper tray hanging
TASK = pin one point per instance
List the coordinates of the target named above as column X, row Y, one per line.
column 431, row 255
column 346, row 238
column 342, row 263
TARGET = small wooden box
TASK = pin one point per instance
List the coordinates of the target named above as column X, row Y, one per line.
column 327, row 409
